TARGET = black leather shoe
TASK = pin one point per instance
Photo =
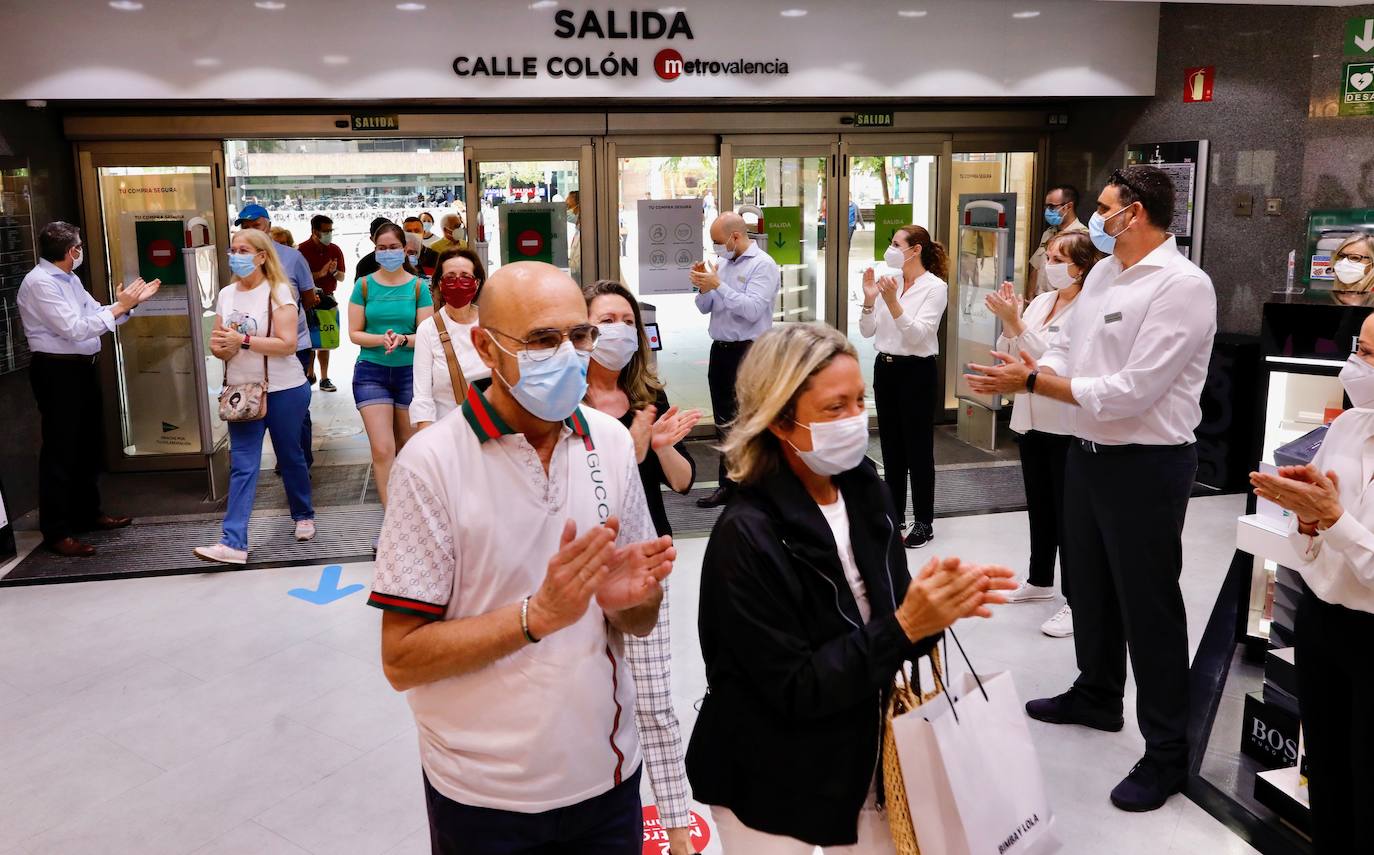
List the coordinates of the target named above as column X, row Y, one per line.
column 716, row 499
column 1069, row 708
column 1148, row 786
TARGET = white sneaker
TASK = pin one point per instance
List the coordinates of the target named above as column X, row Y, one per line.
column 1028, row 593
column 1061, row 625
column 305, row 530
column 222, row 554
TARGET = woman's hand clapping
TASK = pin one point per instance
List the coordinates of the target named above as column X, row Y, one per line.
column 946, row 590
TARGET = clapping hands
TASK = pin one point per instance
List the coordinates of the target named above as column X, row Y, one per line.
column 136, row 293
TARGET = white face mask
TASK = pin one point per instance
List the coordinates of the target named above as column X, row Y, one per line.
column 836, row 446
column 616, row 346
column 894, row 257
column 1348, row 271
column 76, row 262
column 1058, row 276
column 1357, row 376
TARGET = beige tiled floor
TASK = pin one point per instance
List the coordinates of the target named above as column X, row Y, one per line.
column 216, row 715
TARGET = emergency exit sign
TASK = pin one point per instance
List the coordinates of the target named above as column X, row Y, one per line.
column 376, row 122
column 873, row 120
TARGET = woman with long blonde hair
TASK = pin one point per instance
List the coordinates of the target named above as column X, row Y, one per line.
column 255, row 335
column 1353, row 264
column 808, row 610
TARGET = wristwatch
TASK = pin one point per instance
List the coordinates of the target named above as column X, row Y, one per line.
column 1030, row 381
column 244, row 344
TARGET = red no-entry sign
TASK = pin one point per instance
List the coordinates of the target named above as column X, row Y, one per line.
column 529, row 243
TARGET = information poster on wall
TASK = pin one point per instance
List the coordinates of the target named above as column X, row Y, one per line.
column 1185, row 162
column 534, row 231
column 670, row 242
column 886, row 220
column 783, row 230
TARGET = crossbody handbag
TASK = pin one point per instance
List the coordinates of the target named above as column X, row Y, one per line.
column 455, row 371
column 246, row 402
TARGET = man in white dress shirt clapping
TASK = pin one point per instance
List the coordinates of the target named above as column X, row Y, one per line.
column 63, row 324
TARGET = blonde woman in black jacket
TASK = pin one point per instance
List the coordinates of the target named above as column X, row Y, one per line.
column 807, row 609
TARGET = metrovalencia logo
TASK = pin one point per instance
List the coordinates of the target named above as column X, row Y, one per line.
column 670, row 65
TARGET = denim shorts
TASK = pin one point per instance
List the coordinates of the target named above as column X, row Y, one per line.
column 378, row 384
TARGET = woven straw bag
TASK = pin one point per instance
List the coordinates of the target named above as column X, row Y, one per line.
column 904, row 700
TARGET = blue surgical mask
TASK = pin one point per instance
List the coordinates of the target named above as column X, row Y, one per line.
column 1054, row 216
column 414, row 260
column 391, row 259
column 552, row 388
column 727, row 253
column 1097, row 230
column 242, row 264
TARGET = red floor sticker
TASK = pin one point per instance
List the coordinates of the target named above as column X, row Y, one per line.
column 656, row 837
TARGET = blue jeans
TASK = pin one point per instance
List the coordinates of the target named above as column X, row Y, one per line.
column 285, row 412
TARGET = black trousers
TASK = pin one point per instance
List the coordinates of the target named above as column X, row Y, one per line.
column 69, row 463
column 904, row 391
column 307, row 429
column 720, row 377
column 1336, row 698
column 1042, row 468
column 1123, row 536
column 609, row 824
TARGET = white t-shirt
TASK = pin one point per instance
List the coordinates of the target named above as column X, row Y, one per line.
column 839, row 525
column 433, row 389
column 246, row 312
column 471, row 523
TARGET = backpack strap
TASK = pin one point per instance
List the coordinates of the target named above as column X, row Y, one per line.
column 455, row 371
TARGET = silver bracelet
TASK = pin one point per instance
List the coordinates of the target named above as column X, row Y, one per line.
column 525, row 621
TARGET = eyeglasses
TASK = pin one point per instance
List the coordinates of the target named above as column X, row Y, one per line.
column 1358, row 259
column 541, row 344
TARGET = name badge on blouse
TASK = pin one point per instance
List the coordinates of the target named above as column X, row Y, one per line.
column 1112, row 318
column 1054, row 328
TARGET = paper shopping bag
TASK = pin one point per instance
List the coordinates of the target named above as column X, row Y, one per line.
column 992, row 770
column 328, row 329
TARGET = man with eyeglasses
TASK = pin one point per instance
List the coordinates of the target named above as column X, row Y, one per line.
column 516, row 552
column 63, row 324
column 1061, row 217
column 1132, row 361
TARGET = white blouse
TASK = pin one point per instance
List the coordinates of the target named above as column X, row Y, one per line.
column 1340, row 560
column 433, row 398
column 1037, row 412
column 917, row 331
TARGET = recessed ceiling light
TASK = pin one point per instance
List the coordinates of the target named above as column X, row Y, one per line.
column 1029, row 13
column 334, row 59
column 206, row 61
column 793, row 13
column 126, row 5
column 411, row 7
column 912, row 13
column 543, row 4
column 270, row 5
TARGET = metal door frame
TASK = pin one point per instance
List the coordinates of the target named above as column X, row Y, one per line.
column 89, row 157
column 582, row 149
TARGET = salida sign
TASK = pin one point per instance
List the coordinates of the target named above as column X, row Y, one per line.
column 640, row 25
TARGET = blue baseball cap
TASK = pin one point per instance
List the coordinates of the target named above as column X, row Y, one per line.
column 252, row 212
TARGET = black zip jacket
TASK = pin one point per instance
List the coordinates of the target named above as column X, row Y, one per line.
column 790, row 731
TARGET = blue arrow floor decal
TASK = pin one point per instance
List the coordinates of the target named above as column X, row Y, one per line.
column 328, row 590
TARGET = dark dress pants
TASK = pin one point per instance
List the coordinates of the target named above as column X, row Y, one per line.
column 904, row 389
column 307, row 429
column 726, row 357
column 69, row 463
column 609, row 824
column 1124, row 510
column 1336, row 699
column 1042, row 468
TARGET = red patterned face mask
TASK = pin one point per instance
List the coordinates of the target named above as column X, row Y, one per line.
column 458, row 289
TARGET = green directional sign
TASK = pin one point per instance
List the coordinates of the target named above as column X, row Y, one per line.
column 1359, row 36
column 886, row 220
column 1357, row 90
column 784, row 225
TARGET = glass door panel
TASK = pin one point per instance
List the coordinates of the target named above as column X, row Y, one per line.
column 799, row 181
column 686, row 345
column 989, row 172
column 530, row 210
column 148, row 214
column 882, row 189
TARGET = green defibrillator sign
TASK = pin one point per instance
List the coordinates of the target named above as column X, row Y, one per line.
column 783, row 227
column 1357, row 90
